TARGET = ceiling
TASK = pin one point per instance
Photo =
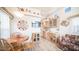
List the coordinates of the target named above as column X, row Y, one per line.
column 45, row 11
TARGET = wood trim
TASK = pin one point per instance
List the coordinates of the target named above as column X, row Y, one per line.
column 7, row 12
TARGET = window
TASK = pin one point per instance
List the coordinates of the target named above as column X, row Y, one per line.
column 36, row 24
column 4, row 25
column 75, row 25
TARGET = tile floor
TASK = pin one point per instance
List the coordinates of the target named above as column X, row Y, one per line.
column 45, row 45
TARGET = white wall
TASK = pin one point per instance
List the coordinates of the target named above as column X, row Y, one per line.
column 63, row 16
column 30, row 30
column 71, row 29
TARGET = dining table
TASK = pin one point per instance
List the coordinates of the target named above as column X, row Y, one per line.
column 21, row 44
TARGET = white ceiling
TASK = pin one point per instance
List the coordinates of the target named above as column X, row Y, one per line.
column 45, row 11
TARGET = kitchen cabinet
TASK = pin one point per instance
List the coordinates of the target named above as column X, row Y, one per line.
column 49, row 36
column 45, row 23
column 50, row 23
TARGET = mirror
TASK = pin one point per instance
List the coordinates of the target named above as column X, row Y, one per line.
column 65, row 23
column 22, row 25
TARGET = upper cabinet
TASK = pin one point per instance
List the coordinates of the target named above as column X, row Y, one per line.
column 50, row 22
column 45, row 23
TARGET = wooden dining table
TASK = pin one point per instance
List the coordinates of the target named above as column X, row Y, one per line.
column 19, row 44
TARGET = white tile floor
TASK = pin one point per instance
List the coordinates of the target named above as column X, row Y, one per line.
column 45, row 45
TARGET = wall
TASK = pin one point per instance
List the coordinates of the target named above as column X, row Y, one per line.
column 29, row 18
column 70, row 29
column 63, row 16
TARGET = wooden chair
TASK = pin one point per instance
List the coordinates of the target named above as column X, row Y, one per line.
column 5, row 46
